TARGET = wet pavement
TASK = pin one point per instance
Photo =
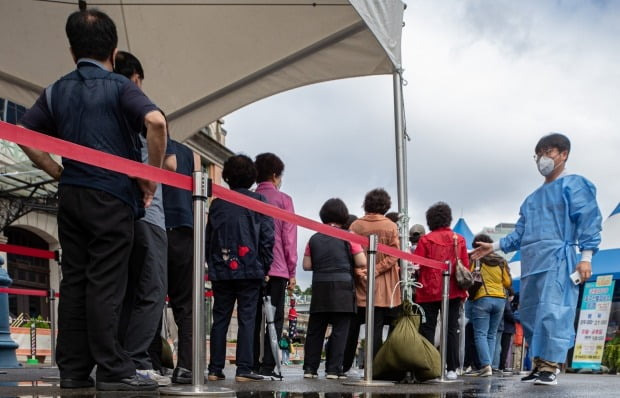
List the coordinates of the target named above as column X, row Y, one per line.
column 43, row 382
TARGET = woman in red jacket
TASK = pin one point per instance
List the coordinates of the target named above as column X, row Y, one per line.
column 439, row 245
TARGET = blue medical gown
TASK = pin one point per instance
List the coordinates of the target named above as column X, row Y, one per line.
column 554, row 220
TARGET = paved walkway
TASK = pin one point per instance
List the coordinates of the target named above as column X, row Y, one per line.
column 37, row 382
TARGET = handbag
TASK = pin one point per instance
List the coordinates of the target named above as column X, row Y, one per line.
column 478, row 280
column 464, row 278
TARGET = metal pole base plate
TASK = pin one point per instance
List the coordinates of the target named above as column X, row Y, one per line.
column 196, row 390
column 369, row 383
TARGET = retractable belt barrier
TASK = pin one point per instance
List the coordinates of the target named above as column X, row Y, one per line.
column 42, row 142
column 27, row 251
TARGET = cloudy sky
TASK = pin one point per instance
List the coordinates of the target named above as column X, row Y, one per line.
column 485, row 80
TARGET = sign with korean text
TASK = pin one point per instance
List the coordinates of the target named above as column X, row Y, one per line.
column 593, row 319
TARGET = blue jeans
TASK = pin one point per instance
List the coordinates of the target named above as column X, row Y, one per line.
column 487, row 313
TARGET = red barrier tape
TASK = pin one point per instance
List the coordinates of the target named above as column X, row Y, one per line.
column 276, row 212
column 24, row 292
column 23, row 136
column 26, row 251
column 29, row 138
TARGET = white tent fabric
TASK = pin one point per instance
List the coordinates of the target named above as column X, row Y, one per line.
column 205, row 58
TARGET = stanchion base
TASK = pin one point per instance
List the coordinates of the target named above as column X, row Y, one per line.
column 444, row 381
column 369, row 383
column 196, row 390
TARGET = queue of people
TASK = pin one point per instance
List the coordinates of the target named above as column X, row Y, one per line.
column 116, row 231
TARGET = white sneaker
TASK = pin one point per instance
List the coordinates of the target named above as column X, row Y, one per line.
column 151, row 374
column 451, row 375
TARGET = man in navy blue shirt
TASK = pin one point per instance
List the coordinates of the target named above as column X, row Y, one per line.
column 94, row 107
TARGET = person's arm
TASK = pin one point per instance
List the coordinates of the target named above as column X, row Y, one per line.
column 506, row 277
column 507, row 244
column 156, row 134
column 585, row 214
column 266, row 240
column 388, row 262
column 289, row 245
column 44, row 161
column 197, row 165
column 39, row 118
column 307, row 263
column 463, row 252
column 170, row 162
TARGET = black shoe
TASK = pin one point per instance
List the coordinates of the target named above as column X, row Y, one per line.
column 181, row 376
column 133, row 383
column 77, row 383
column 547, row 378
column 531, row 377
column 216, row 376
column 248, row 377
column 270, row 375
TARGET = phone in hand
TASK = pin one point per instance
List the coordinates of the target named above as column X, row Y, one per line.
column 576, row 277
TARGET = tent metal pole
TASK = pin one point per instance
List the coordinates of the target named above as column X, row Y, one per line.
column 200, row 195
column 401, row 177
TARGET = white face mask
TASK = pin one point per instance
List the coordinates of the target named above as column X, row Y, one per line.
column 546, row 165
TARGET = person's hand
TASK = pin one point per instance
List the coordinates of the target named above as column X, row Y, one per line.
column 585, row 270
column 482, row 250
column 148, row 189
column 291, row 286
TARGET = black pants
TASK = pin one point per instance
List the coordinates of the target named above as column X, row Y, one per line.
column 317, row 326
column 146, row 292
column 428, row 329
column 245, row 292
column 180, row 276
column 471, row 353
column 383, row 315
column 276, row 288
column 506, row 339
column 95, row 230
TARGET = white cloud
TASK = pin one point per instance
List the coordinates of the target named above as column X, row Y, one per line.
column 485, row 79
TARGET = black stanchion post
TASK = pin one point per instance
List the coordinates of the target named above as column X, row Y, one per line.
column 52, row 300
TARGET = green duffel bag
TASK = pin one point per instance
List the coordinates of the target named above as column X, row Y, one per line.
column 405, row 350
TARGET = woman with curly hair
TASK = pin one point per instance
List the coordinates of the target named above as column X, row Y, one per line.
column 387, row 294
column 439, row 244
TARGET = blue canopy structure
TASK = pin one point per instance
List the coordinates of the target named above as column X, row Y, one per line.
column 462, row 228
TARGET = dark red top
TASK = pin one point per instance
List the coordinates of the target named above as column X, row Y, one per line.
column 439, row 245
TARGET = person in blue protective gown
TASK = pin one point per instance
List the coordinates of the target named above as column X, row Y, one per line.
column 558, row 217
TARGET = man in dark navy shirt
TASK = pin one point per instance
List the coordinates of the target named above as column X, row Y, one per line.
column 94, row 107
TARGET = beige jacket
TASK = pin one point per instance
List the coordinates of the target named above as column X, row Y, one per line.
column 387, row 269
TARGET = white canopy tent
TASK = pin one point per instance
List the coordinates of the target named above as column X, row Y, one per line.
column 206, row 58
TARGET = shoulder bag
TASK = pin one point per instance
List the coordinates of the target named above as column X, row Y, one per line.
column 464, row 278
